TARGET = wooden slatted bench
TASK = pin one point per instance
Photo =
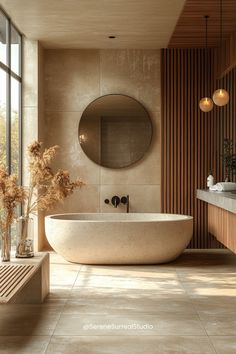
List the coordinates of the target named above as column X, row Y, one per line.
column 25, row 280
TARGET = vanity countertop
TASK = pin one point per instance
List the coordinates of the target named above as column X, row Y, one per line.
column 224, row 200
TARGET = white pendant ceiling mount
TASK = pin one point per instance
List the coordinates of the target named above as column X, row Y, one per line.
column 220, row 96
column 206, row 103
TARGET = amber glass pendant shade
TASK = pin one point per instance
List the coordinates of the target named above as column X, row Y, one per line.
column 206, row 104
column 220, row 97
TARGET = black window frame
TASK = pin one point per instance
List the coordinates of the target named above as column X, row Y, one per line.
column 11, row 74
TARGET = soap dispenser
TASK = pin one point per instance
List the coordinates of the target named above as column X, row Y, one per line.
column 210, row 180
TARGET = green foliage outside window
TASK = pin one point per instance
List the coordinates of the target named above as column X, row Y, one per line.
column 14, row 139
column 229, row 157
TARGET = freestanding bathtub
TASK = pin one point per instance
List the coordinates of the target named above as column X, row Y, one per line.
column 135, row 238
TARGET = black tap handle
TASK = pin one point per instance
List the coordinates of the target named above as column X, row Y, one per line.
column 115, row 201
column 124, row 200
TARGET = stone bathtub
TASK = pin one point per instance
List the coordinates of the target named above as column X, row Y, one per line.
column 117, row 238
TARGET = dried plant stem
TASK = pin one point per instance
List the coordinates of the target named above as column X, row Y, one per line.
column 25, row 229
column 5, row 246
column 24, row 234
column 46, row 188
column 6, row 237
column 35, row 203
column 29, row 199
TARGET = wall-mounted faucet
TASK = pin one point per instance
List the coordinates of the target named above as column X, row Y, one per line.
column 125, row 200
column 115, row 201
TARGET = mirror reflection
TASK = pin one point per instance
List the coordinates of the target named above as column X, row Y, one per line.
column 115, row 131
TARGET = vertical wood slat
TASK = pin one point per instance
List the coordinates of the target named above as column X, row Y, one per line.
column 191, row 139
column 227, row 115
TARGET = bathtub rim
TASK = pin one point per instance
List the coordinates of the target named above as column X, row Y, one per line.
column 180, row 218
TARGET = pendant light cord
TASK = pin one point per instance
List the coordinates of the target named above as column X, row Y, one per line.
column 220, row 96
column 206, row 25
column 206, row 46
column 221, row 24
column 221, row 31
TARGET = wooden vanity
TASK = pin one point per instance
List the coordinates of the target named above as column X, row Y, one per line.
column 221, row 216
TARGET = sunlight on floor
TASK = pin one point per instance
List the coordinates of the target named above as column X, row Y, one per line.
column 188, row 306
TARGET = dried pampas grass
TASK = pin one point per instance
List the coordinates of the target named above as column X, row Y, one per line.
column 10, row 195
column 46, row 188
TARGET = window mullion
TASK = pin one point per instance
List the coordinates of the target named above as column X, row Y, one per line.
column 20, row 117
column 8, row 101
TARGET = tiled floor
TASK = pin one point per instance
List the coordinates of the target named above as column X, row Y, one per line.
column 185, row 307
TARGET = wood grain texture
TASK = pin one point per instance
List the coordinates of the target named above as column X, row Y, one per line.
column 13, row 277
column 222, row 224
column 190, row 29
column 191, row 139
column 225, row 126
column 225, row 57
column 25, row 280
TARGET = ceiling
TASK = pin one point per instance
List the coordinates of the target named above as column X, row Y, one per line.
column 190, row 28
column 146, row 24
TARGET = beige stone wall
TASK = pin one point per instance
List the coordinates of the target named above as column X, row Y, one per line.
column 33, row 113
column 72, row 79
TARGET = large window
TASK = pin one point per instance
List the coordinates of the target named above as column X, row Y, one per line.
column 10, row 96
column 10, row 99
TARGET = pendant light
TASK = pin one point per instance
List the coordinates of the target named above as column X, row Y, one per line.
column 221, row 96
column 206, row 103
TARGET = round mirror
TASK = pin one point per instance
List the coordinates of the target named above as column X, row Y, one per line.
column 115, row 131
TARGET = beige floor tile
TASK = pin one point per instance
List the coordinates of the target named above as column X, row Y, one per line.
column 130, row 345
column 23, row 345
column 205, row 261
column 208, row 278
column 171, row 284
column 57, row 296
column 192, row 297
column 158, row 272
column 62, row 276
column 224, row 344
column 101, row 301
column 219, row 325
column 209, row 284
column 214, row 305
column 124, row 293
column 210, row 291
column 205, row 269
column 28, row 320
column 209, row 281
column 126, row 325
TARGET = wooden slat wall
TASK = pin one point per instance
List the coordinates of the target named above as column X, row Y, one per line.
column 191, row 139
column 225, row 57
column 190, row 28
column 222, row 223
column 225, row 121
